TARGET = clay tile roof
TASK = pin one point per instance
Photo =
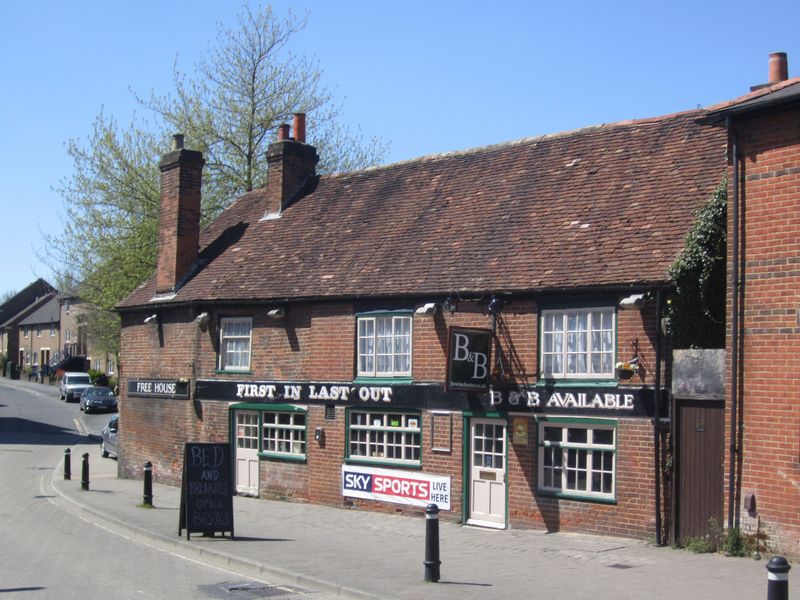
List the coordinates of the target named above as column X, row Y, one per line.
column 782, row 92
column 604, row 206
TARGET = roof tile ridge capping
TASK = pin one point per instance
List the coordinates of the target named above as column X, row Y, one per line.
column 522, row 141
column 764, row 91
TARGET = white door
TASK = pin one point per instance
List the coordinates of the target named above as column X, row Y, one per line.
column 247, row 452
column 487, row 498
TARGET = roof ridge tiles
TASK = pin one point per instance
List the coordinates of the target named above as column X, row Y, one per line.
column 523, row 141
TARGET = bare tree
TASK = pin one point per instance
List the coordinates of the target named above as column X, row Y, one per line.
column 229, row 108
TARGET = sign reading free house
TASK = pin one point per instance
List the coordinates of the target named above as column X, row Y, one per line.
column 158, row 388
column 468, row 352
column 400, row 487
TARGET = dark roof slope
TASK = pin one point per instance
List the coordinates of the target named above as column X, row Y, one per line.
column 49, row 312
column 17, row 306
column 598, row 207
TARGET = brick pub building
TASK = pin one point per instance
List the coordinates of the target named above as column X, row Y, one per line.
column 476, row 329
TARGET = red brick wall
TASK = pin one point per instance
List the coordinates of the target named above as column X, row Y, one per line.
column 769, row 449
column 179, row 220
column 317, row 343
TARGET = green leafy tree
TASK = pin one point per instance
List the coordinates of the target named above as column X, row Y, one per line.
column 230, row 109
column 697, row 307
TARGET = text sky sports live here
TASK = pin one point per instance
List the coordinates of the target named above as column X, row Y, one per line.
column 400, row 487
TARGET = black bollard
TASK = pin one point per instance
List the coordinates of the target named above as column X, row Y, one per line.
column 778, row 578
column 432, row 561
column 85, row 472
column 148, row 484
column 67, row 465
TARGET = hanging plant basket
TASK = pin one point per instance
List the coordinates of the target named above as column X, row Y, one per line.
column 626, row 370
column 625, row 373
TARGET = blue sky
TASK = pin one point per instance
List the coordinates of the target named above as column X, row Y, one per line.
column 426, row 77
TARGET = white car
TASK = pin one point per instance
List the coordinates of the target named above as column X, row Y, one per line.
column 73, row 384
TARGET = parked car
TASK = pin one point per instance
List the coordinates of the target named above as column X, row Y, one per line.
column 73, row 385
column 108, row 436
column 98, row 398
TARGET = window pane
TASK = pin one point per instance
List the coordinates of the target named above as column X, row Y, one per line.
column 603, row 436
column 576, row 436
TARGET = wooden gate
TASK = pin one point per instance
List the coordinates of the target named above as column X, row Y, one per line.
column 699, row 464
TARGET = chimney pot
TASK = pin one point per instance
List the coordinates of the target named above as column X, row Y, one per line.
column 283, row 132
column 177, row 141
column 778, row 67
column 300, row 127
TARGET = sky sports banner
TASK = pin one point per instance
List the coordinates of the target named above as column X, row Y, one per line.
column 400, row 487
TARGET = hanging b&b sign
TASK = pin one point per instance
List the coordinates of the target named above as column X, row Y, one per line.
column 468, row 354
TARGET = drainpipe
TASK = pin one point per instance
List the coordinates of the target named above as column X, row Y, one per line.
column 735, row 341
column 657, row 418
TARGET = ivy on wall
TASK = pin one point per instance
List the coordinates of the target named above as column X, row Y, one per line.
column 696, row 309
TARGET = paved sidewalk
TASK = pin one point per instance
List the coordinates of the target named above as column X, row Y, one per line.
column 358, row 554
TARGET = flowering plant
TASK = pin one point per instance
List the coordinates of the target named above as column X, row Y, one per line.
column 631, row 366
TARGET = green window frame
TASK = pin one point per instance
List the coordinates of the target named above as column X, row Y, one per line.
column 577, row 458
column 384, row 437
column 283, row 434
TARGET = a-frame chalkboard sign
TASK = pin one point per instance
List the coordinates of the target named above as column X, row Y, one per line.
column 206, row 490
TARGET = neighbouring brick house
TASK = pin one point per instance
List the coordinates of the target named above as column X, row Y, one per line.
column 13, row 311
column 761, row 417
column 445, row 330
column 40, row 336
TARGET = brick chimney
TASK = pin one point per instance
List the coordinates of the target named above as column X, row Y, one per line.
column 778, row 67
column 290, row 163
column 179, row 224
column 778, row 70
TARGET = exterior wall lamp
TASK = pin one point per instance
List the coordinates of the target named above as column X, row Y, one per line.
column 495, row 304
column 277, row 313
column 633, row 301
column 151, row 319
column 449, row 304
column 427, row 309
column 202, row 320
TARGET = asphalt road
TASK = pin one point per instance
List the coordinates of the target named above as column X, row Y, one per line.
column 49, row 552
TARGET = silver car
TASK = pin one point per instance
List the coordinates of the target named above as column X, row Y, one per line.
column 108, row 442
column 73, row 384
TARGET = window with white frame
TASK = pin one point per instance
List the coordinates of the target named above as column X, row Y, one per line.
column 284, row 434
column 52, row 329
column 578, row 458
column 577, row 343
column 111, row 366
column 38, row 331
column 68, row 336
column 234, row 344
column 386, row 437
column 384, row 346
column 247, row 430
column 25, row 331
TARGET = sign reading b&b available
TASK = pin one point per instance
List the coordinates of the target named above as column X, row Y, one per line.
column 468, row 352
